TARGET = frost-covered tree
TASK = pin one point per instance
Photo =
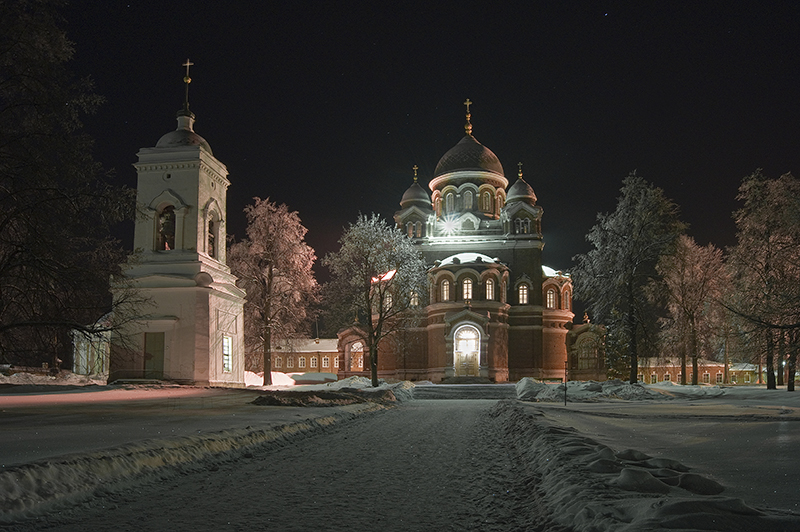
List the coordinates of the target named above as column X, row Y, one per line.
column 57, row 208
column 693, row 279
column 274, row 265
column 626, row 247
column 378, row 275
column 766, row 265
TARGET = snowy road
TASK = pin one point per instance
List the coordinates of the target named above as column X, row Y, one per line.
column 428, row 465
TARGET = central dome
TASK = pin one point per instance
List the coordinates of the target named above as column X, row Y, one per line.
column 469, row 154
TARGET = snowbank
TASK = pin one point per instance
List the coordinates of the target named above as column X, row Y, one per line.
column 529, row 389
column 587, row 486
column 61, row 379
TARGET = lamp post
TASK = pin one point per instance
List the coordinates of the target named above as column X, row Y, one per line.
column 566, row 364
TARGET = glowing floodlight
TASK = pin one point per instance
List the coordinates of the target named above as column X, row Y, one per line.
column 449, row 226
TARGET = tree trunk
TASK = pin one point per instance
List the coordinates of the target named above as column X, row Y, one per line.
column 781, row 356
column 267, row 355
column 792, row 361
column 630, row 324
column 373, row 363
column 725, row 378
column 693, row 347
column 770, row 362
column 695, row 369
column 683, row 364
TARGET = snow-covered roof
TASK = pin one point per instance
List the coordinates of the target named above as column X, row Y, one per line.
column 467, row 258
column 550, row 272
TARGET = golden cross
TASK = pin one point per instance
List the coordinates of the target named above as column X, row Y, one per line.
column 415, row 168
column 468, row 103
column 520, row 169
column 186, row 78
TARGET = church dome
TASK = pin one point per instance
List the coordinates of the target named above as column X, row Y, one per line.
column 469, row 154
column 416, row 196
column 183, row 136
column 521, row 191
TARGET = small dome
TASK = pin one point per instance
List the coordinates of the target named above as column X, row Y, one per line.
column 469, row 154
column 521, row 191
column 416, row 196
column 183, row 136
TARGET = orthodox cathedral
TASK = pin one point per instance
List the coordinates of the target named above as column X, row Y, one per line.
column 495, row 312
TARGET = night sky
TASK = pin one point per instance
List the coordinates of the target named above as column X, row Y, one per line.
column 327, row 106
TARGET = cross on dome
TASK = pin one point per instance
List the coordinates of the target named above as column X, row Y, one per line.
column 415, row 168
column 520, row 170
column 186, row 81
column 468, row 125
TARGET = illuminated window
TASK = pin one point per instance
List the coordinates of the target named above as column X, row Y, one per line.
column 410, row 229
column 418, row 228
column 335, row 362
column 289, row 362
column 640, row 377
column 278, row 362
column 301, row 362
column 653, row 378
column 445, row 290
column 487, row 202
column 414, row 302
column 387, row 301
column 227, row 353
column 326, row 362
column 356, row 356
column 667, row 377
column 313, row 362
column 522, row 226
column 707, row 378
column 523, row 294
column 468, row 200
column 166, row 229
column 489, row 290
column 551, row 298
column 466, row 289
column 566, row 303
column 746, row 377
column 588, row 352
column 719, row 378
column 449, row 203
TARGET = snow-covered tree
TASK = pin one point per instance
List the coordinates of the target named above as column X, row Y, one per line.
column 766, row 264
column 57, row 209
column 274, row 265
column 627, row 245
column 693, row 280
column 378, row 275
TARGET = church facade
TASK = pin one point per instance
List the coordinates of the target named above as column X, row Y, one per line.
column 191, row 328
column 495, row 312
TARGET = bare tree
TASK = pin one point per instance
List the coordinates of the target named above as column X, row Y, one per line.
column 627, row 244
column 57, row 208
column 766, row 265
column 380, row 276
column 693, row 278
column 274, row 265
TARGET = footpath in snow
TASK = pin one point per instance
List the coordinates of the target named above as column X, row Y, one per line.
column 444, row 465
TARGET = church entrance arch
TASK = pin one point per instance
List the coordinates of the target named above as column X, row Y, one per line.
column 467, row 351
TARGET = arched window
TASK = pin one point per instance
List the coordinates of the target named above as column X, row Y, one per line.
column 551, row 298
column 468, row 200
column 445, row 290
column 449, row 203
column 414, row 301
column 466, row 288
column 523, row 294
column 418, row 228
column 212, row 238
column 588, row 352
column 387, row 301
column 278, row 362
column 566, row 303
column 489, row 290
column 289, row 362
column 313, row 362
column 301, row 362
column 487, row 202
column 166, row 229
column 410, row 229
column 326, row 362
column 356, row 356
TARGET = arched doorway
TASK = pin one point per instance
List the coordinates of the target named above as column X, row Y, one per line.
column 466, row 351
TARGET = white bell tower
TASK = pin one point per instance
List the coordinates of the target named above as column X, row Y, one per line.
column 193, row 331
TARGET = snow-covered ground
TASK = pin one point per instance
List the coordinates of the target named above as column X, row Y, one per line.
column 616, row 457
